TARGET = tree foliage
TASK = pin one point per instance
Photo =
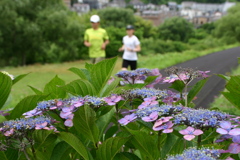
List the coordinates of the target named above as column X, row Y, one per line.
column 228, row 27
column 176, row 29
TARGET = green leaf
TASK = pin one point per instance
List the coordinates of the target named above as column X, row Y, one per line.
column 76, row 144
column 232, row 98
column 5, row 88
column 84, row 122
column 227, row 78
column 108, row 89
column 54, row 90
column 3, row 156
column 59, row 150
column 150, row 79
column 80, row 87
column 26, row 104
column 18, row 78
column 178, row 86
column 195, row 90
column 41, row 136
column 104, row 121
column 234, row 84
column 35, row 90
column 101, row 72
column 81, row 73
column 146, row 143
column 110, row 148
column 126, row 156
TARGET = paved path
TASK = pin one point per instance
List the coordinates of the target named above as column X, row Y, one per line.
column 218, row 63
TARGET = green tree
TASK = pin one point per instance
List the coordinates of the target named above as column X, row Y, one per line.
column 176, row 29
column 228, row 27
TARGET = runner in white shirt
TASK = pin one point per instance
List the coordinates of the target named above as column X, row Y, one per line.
column 131, row 45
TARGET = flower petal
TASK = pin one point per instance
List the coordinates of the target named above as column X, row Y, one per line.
column 221, row 131
column 235, row 132
column 189, row 137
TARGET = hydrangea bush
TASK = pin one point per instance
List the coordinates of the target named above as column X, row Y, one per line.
column 99, row 116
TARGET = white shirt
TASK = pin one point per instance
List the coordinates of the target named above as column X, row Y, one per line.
column 131, row 43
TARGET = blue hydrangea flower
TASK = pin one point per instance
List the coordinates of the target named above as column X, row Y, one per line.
column 197, row 154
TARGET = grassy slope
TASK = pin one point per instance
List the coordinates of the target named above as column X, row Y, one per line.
column 42, row 74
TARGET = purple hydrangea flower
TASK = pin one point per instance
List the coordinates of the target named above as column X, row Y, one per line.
column 166, row 127
column 152, row 117
column 113, row 99
column 190, row 133
column 226, row 127
column 127, row 119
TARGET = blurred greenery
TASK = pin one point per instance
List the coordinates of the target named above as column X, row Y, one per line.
column 33, row 31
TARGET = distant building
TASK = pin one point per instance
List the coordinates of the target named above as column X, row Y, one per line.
column 80, row 8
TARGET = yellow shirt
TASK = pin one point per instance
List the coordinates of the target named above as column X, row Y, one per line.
column 96, row 38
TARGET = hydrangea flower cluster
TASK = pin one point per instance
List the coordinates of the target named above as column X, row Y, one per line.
column 138, row 76
column 151, row 113
column 40, row 122
column 197, row 154
column 185, row 75
column 68, row 106
column 199, row 118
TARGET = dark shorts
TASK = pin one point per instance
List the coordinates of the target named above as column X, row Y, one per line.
column 132, row 64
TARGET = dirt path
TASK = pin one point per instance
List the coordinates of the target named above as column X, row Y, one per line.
column 217, row 63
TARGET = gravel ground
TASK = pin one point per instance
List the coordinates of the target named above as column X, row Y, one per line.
column 217, row 63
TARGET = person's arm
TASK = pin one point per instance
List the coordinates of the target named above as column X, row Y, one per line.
column 121, row 48
column 86, row 43
column 106, row 42
column 137, row 49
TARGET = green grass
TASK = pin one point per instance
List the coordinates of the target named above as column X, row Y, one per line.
column 39, row 74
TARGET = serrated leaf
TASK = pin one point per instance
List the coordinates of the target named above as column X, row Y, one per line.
column 146, row 144
column 18, row 78
column 104, row 121
column 84, row 122
column 10, row 154
column 110, row 148
column 76, row 144
column 80, row 87
column 54, row 90
column 5, row 88
column 178, row 86
column 79, row 72
column 101, row 72
column 59, row 150
column 195, row 90
column 26, row 104
column 35, row 90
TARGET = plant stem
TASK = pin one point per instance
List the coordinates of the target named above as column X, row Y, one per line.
column 199, row 141
column 25, row 153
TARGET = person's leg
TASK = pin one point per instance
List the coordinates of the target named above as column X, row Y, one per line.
column 125, row 64
column 133, row 65
column 93, row 60
column 98, row 59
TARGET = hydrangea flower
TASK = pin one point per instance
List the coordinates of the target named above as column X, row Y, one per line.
column 148, row 102
column 190, row 133
column 113, row 99
column 40, row 122
column 197, row 154
column 226, row 128
column 127, row 119
column 166, row 127
column 152, row 117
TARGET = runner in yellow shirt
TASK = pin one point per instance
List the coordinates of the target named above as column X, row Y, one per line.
column 96, row 39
